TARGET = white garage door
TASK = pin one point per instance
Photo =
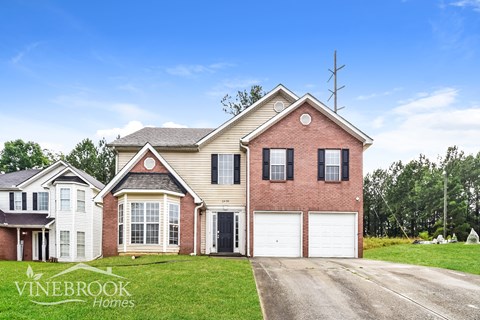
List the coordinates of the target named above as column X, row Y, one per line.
column 277, row 235
column 332, row 235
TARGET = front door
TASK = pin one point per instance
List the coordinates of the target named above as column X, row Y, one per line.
column 225, row 232
column 39, row 246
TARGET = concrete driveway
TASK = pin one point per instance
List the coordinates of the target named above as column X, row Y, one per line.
column 317, row 288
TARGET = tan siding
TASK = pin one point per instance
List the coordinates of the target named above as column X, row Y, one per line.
column 123, row 158
column 195, row 167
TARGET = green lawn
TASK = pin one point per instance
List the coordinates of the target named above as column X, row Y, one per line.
column 454, row 256
column 183, row 288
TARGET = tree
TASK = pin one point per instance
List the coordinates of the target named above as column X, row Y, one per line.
column 19, row 155
column 243, row 100
column 99, row 162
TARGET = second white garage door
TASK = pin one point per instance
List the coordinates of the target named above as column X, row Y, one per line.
column 332, row 235
column 277, row 235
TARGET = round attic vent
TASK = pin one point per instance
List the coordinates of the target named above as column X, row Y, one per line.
column 305, row 119
column 149, row 163
column 278, row 106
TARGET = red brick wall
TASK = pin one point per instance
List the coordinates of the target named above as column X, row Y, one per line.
column 187, row 205
column 159, row 167
column 305, row 193
column 110, row 226
column 8, row 244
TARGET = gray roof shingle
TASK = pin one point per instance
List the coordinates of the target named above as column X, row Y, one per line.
column 162, row 137
column 12, row 179
column 89, row 178
column 149, row 181
column 24, row 219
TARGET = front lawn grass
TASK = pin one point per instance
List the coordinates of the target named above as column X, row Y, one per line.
column 183, row 287
column 453, row 256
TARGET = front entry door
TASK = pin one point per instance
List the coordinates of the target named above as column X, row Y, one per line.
column 225, row 232
column 39, row 246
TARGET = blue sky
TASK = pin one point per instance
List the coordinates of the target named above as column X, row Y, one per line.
column 72, row 70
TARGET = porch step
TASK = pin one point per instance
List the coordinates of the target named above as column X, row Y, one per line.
column 226, row 254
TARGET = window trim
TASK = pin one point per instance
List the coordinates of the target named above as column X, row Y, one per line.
column 284, row 164
column 63, row 199
column 144, row 223
column 81, row 201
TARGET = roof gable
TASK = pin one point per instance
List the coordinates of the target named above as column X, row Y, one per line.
column 337, row 119
column 78, row 176
column 278, row 89
column 131, row 164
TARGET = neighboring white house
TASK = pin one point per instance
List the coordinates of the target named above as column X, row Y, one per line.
column 50, row 213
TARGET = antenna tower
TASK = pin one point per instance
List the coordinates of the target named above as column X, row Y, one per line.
column 335, row 89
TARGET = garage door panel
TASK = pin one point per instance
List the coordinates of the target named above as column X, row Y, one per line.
column 277, row 234
column 332, row 235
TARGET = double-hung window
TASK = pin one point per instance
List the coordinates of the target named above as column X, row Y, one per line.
column 64, row 244
column 225, row 169
column 80, row 200
column 145, row 223
column 64, row 199
column 81, row 244
column 277, row 164
column 18, row 201
column 120, row 223
column 332, row 165
column 42, row 201
column 173, row 223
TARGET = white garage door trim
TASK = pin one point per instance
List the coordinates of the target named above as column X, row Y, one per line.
column 339, row 253
column 261, row 252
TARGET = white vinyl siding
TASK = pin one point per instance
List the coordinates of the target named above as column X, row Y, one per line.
column 278, row 164
column 225, row 169
column 42, row 201
column 80, row 244
column 332, row 165
column 80, row 201
column 64, row 199
column 64, row 244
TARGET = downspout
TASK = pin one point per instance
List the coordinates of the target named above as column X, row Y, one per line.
column 248, row 198
column 194, row 253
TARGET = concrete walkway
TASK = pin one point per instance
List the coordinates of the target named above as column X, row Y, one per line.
column 317, row 288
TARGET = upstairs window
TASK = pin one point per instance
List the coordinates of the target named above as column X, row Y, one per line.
column 18, row 200
column 225, row 169
column 64, row 199
column 333, row 164
column 42, row 201
column 277, row 164
column 80, row 200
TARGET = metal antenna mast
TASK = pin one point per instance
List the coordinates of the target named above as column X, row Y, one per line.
column 335, row 89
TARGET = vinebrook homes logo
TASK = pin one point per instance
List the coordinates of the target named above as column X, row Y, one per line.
column 111, row 291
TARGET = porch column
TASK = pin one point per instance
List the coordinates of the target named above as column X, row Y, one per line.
column 19, row 246
column 44, row 246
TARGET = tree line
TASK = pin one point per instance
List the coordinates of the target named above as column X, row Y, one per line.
column 410, row 196
column 96, row 160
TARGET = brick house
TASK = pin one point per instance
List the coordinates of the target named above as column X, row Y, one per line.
column 282, row 178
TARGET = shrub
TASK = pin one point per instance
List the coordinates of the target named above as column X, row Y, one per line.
column 424, row 236
column 371, row 243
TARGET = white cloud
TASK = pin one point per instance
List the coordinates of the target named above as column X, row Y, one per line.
column 378, row 122
column 437, row 100
column 376, row 95
column 171, row 124
column 427, row 125
column 229, row 85
column 475, row 4
column 112, row 133
column 196, row 69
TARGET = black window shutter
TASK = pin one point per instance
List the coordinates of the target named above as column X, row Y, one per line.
column 24, row 201
column 236, row 169
column 214, row 168
column 321, row 164
column 345, row 164
column 266, row 164
column 289, row 164
column 12, row 201
column 35, row 201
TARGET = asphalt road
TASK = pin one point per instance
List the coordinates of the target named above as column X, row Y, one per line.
column 344, row 289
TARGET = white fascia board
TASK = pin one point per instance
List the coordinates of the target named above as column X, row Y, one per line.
column 67, row 169
column 123, row 191
column 42, row 173
column 247, row 111
column 147, row 147
column 347, row 126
